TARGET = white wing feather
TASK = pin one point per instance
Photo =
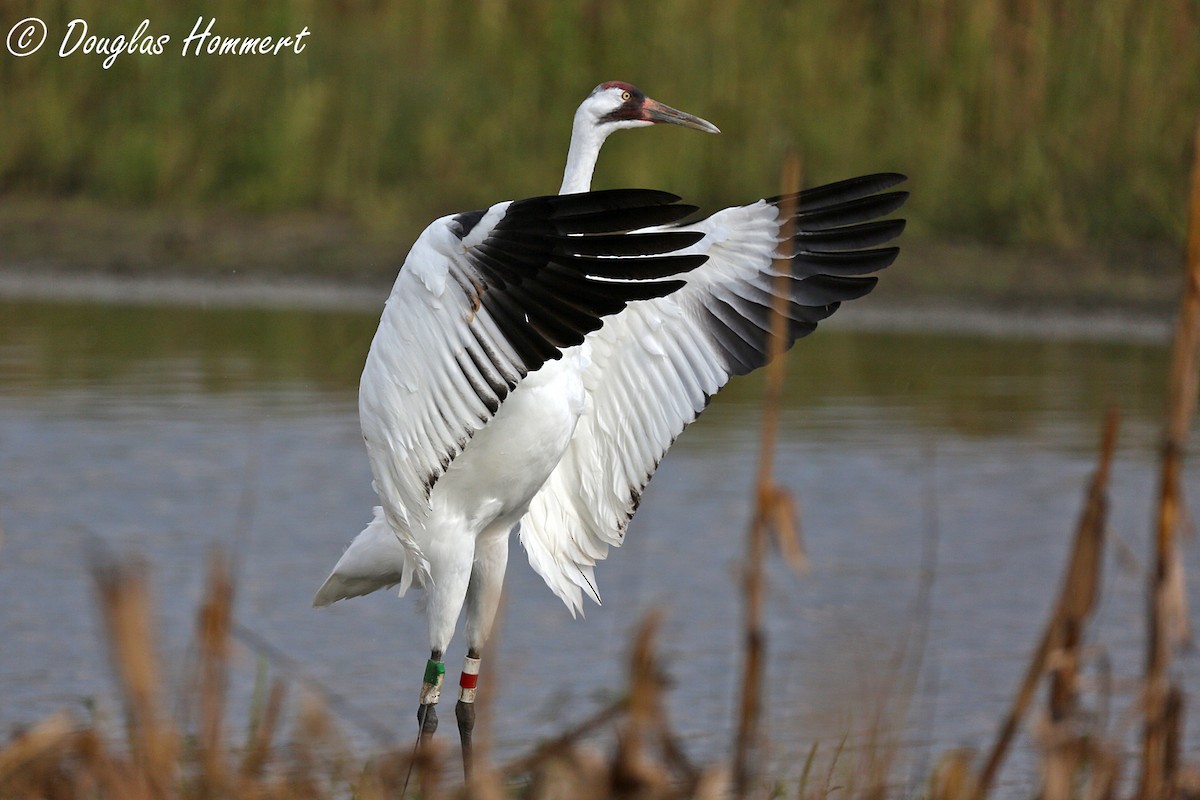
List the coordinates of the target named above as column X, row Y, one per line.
column 417, row 406
column 655, row 365
column 653, row 368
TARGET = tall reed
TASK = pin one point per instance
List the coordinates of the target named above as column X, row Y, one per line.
column 1166, row 627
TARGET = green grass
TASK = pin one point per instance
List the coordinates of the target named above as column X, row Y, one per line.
column 1063, row 124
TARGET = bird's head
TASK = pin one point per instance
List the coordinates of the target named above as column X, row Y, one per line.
column 610, row 107
column 615, row 105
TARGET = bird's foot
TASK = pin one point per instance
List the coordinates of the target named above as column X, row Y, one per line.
column 427, row 719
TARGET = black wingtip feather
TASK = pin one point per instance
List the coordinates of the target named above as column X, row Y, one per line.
column 862, row 209
column 847, row 263
column 835, row 247
column 841, row 191
column 624, row 219
column 602, row 200
column 638, row 269
column 849, row 237
column 606, row 211
column 826, row 289
column 628, row 244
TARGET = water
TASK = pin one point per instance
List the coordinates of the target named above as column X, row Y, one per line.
column 161, row 432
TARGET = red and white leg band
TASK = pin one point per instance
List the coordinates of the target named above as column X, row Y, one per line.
column 469, row 680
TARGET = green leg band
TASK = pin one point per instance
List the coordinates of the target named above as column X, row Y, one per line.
column 435, row 672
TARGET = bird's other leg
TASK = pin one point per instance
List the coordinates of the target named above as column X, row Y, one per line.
column 464, row 711
column 483, row 600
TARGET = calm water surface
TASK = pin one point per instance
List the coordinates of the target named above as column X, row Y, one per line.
column 162, row 432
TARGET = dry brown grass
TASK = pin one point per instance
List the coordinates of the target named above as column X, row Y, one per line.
column 160, row 757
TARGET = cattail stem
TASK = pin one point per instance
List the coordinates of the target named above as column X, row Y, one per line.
column 766, row 500
column 1155, row 780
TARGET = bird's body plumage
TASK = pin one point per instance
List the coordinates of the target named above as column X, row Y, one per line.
column 536, row 359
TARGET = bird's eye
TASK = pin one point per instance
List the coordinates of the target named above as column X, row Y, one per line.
column 625, row 96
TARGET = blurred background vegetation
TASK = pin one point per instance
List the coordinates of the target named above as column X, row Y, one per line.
column 1058, row 125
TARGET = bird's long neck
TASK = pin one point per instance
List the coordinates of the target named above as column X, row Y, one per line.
column 586, row 140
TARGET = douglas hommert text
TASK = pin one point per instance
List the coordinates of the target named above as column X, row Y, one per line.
column 204, row 40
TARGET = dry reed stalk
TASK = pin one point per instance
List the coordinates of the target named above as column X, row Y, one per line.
column 1165, row 602
column 45, row 740
column 647, row 763
column 294, row 672
column 563, row 744
column 124, row 595
column 634, row 770
column 213, row 623
column 258, row 745
column 1081, row 589
column 774, row 508
column 953, row 777
column 650, row 762
column 1059, row 644
column 647, row 722
column 1067, row 753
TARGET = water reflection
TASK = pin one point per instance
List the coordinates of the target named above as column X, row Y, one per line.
column 155, row 429
column 47, row 349
column 973, row 386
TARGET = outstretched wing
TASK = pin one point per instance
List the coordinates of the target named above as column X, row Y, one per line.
column 655, row 365
column 485, row 298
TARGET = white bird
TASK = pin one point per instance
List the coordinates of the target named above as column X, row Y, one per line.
column 536, row 359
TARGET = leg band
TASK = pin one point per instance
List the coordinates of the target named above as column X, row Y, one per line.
column 469, row 680
column 431, row 690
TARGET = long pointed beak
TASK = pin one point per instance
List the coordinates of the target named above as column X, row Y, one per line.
column 657, row 112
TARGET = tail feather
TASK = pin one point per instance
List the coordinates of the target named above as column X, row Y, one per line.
column 376, row 559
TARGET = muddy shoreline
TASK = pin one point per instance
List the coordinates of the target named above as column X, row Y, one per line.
column 880, row 312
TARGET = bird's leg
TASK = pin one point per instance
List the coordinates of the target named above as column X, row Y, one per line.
column 449, row 564
column 483, row 598
column 431, row 691
column 465, row 710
